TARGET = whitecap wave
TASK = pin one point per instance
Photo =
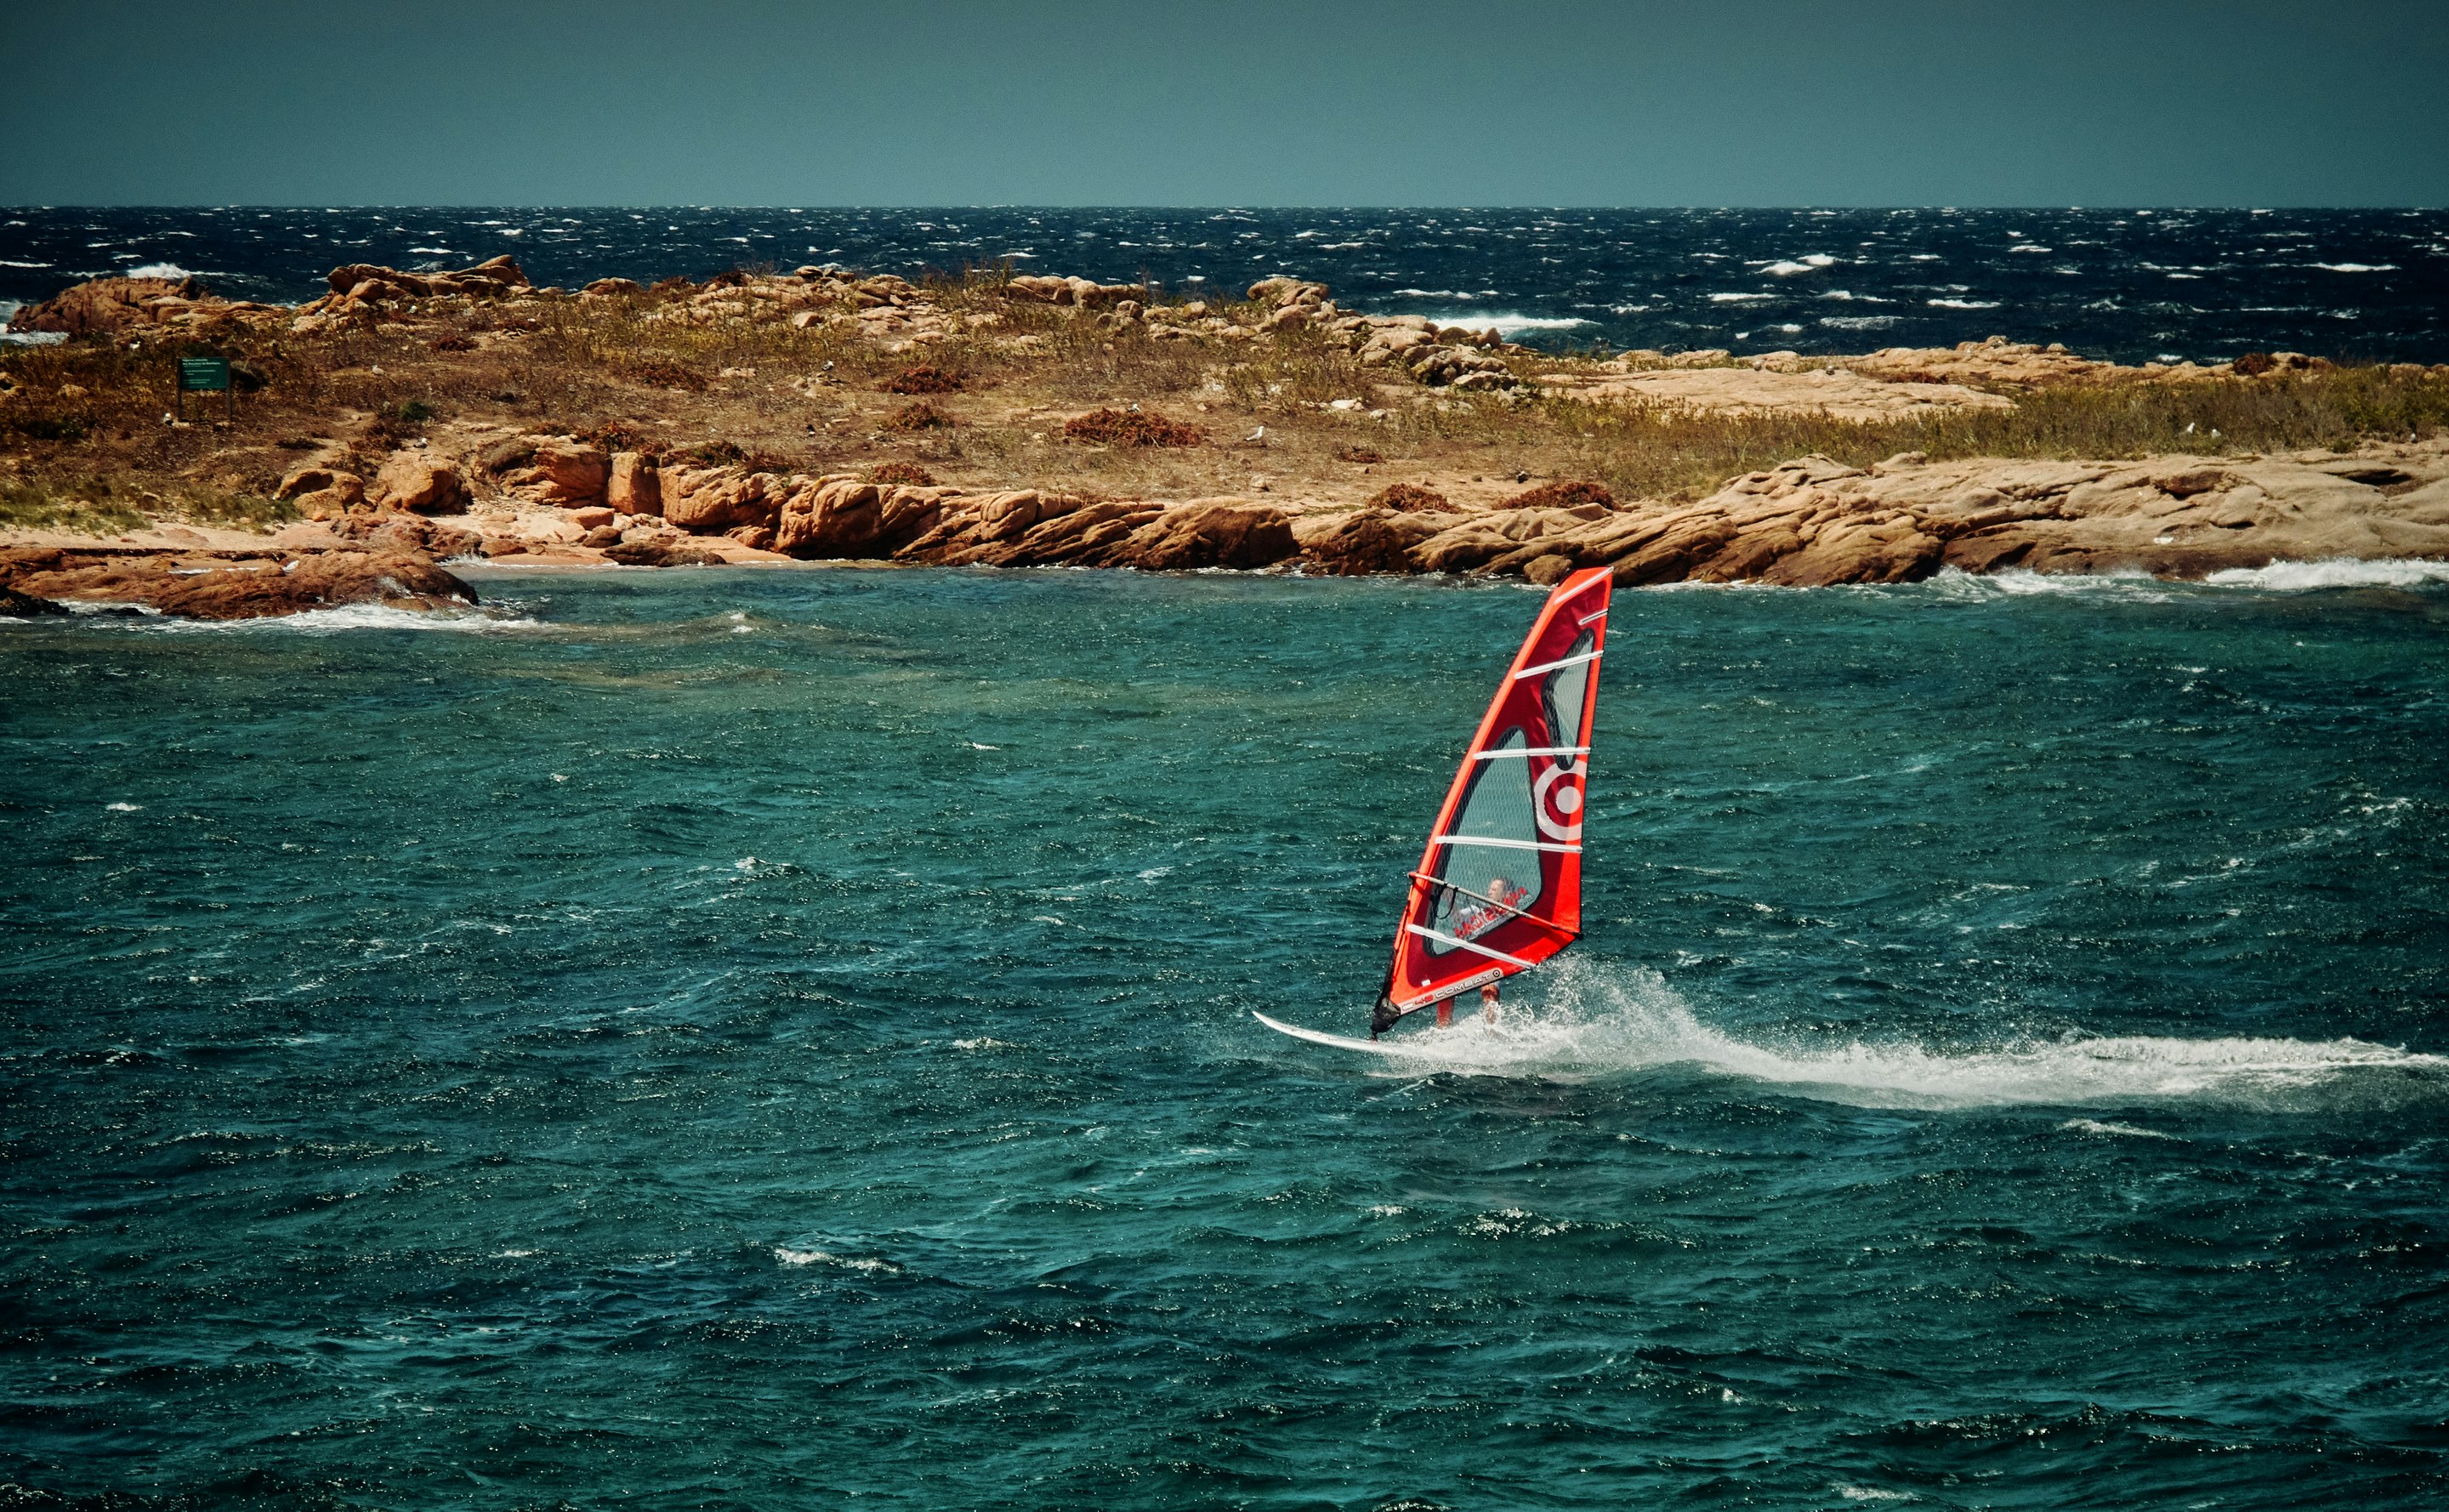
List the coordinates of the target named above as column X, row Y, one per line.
column 1508, row 324
column 1963, row 305
column 2019, row 582
column 362, row 617
column 820, row 1257
column 1598, row 1020
column 2296, row 577
column 2115, row 1130
column 157, row 270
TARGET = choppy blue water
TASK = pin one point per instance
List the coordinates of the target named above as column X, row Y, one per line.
column 733, row 1039
column 2135, row 285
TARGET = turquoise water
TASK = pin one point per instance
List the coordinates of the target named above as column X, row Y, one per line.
column 768, row 1039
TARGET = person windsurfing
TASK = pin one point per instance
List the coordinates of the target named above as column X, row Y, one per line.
column 1515, row 807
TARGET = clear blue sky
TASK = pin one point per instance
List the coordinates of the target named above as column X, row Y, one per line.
column 1436, row 102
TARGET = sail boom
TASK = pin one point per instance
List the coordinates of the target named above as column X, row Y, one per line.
column 1452, row 943
column 1506, row 844
column 1529, row 750
column 1483, row 898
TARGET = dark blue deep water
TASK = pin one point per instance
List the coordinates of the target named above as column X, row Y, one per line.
column 2135, row 284
column 776, row 1039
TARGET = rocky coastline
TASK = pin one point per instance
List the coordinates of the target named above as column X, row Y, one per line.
column 371, row 506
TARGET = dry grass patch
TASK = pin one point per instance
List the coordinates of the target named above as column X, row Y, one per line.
column 1132, row 428
column 1410, row 499
column 923, row 379
column 1563, row 493
column 916, row 416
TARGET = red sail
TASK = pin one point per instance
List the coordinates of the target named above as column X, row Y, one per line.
column 1499, row 888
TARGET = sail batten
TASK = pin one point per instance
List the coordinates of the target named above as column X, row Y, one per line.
column 1550, row 666
column 1498, row 888
column 1530, row 750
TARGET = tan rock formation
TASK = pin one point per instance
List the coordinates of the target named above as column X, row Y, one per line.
column 564, row 472
column 1367, row 540
column 846, row 517
column 1836, row 390
column 225, row 587
column 1206, row 533
column 108, row 306
column 321, row 491
column 419, row 482
column 708, row 501
column 633, row 486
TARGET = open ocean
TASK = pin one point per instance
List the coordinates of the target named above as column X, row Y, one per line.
column 2135, row 285
column 733, row 1039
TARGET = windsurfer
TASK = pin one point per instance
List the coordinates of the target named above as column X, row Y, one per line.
column 1477, row 915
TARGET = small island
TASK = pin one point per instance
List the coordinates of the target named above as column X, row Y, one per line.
column 407, row 420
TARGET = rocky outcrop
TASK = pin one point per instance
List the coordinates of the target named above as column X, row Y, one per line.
column 708, row 501
column 887, row 309
column 418, row 482
column 495, row 278
column 563, row 472
column 846, row 517
column 222, row 586
column 110, row 306
column 1075, row 293
column 1838, row 392
column 368, row 291
column 1994, row 364
column 14, row 605
column 1367, row 540
column 1220, row 532
column 662, row 551
column 633, row 485
column 321, row 491
column 1814, row 522
column 1808, row 522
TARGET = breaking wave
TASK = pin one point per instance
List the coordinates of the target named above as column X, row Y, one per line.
column 1598, row 1021
column 360, row 617
column 1508, row 324
column 2333, row 573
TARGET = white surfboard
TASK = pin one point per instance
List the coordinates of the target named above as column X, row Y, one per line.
column 1406, row 1046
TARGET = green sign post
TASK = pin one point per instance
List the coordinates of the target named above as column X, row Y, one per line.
column 204, row 374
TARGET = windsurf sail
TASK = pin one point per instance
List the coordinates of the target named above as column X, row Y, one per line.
column 1499, row 888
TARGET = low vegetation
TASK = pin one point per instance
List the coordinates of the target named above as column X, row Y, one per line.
column 1110, row 427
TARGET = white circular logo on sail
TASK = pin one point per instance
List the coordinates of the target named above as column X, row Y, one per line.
column 1558, row 801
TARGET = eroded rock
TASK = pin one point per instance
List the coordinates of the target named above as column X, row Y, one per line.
column 420, row 483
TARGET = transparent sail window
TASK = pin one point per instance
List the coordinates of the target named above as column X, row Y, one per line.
column 1566, row 690
column 1498, row 807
